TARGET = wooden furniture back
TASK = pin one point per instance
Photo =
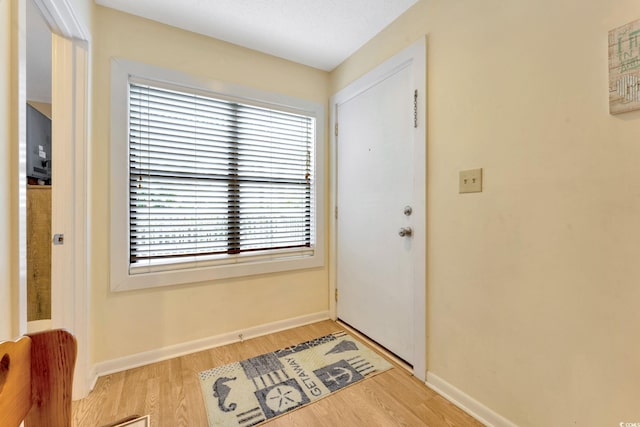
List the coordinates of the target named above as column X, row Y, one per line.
column 36, row 377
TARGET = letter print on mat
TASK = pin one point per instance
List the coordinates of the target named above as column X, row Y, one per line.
column 254, row 390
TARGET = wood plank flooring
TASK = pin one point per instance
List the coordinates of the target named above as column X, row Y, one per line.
column 170, row 392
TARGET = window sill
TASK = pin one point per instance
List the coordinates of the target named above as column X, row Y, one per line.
column 142, row 277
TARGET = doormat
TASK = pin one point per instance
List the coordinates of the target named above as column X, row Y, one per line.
column 134, row 421
column 255, row 390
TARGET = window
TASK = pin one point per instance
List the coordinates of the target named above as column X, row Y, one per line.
column 217, row 183
column 209, row 176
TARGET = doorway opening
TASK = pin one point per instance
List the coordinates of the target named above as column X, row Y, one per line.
column 38, row 169
column 68, row 62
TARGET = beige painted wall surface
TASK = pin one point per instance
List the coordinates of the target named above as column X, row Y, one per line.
column 12, row 34
column 534, row 284
column 126, row 323
column 42, row 107
column 6, row 203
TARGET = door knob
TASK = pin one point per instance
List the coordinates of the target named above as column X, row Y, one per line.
column 405, row 231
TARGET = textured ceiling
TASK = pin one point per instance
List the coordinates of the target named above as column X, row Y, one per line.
column 318, row 33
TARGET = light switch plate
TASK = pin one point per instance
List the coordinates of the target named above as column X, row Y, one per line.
column 471, row 181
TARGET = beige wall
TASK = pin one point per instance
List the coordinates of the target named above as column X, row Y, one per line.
column 42, row 107
column 126, row 323
column 12, row 31
column 534, row 284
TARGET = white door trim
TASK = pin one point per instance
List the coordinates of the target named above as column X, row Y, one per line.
column 20, row 44
column 69, row 300
column 416, row 54
column 70, row 86
column 62, row 19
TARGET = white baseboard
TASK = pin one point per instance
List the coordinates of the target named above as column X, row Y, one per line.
column 467, row 403
column 152, row 356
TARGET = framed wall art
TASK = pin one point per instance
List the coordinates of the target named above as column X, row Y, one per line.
column 624, row 68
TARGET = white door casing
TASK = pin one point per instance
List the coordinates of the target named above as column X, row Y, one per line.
column 378, row 168
column 69, row 298
column 70, row 106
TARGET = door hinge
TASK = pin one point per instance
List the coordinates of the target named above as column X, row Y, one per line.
column 415, row 108
column 336, row 295
column 336, row 212
column 336, row 130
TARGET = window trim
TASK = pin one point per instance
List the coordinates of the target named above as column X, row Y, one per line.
column 241, row 265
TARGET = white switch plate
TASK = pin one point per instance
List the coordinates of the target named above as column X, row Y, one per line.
column 471, row 181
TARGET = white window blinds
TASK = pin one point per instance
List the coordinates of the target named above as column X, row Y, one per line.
column 213, row 177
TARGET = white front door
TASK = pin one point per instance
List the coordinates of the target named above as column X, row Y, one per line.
column 381, row 191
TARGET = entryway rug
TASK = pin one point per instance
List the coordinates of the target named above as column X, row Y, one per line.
column 255, row 390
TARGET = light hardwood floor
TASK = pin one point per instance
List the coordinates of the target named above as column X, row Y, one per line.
column 170, row 392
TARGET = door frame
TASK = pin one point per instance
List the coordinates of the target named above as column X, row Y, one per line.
column 70, row 93
column 416, row 55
